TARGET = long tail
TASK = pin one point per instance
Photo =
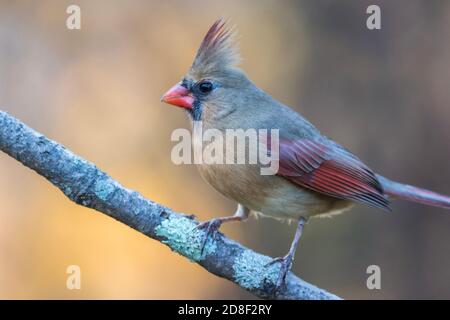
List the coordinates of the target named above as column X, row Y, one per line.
column 410, row 193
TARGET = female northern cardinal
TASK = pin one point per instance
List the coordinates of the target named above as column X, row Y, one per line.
column 316, row 175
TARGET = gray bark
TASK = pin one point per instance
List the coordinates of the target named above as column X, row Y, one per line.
column 86, row 185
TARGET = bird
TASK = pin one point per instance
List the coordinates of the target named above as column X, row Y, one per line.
column 316, row 176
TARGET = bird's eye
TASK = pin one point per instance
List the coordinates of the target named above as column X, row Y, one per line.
column 205, row 86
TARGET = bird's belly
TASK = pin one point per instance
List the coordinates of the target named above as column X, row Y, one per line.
column 269, row 195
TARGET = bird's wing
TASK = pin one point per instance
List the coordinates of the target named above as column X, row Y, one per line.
column 331, row 170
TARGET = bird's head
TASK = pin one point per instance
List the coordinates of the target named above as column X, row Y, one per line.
column 209, row 88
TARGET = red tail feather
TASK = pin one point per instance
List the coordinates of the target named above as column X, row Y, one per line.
column 414, row 194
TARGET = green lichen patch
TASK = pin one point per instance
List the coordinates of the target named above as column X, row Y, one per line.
column 103, row 189
column 182, row 236
column 251, row 270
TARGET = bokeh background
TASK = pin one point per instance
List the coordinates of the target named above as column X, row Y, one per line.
column 383, row 94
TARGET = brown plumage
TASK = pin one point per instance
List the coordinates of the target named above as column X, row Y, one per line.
column 316, row 176
column 217, row 51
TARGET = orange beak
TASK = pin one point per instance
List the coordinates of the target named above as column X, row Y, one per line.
column 179, row 96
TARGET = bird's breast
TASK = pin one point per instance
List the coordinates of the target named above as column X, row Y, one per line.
column 270, row 195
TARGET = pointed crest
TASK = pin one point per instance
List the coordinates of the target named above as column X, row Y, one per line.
column 217, row 50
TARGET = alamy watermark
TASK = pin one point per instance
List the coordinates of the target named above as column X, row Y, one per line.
column 73, row 21
column 373, row 21
column 73, row 281
column 374, row 280
column 229, row 146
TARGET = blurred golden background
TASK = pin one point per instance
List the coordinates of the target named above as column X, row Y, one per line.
column 382, row 94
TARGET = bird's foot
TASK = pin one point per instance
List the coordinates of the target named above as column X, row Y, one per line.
column 285, row 267
column 211, row 227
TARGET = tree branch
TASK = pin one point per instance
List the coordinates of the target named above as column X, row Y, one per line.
column 83, row 183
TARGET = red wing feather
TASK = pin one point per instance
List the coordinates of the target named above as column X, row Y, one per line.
column 331, row 170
